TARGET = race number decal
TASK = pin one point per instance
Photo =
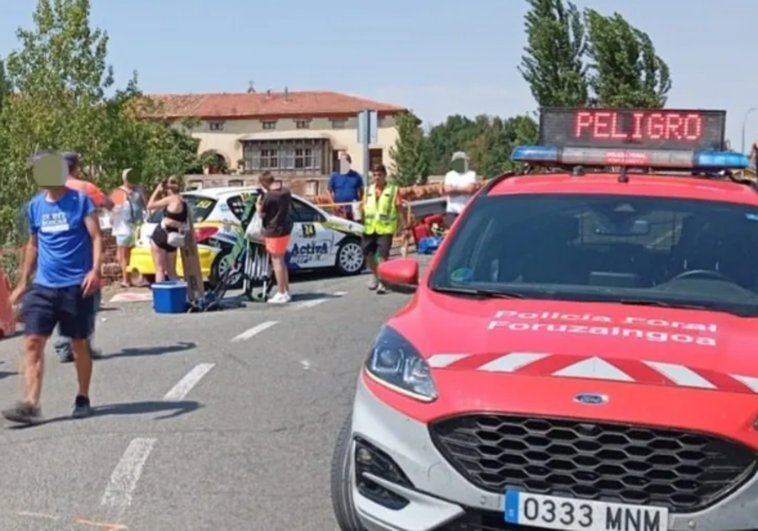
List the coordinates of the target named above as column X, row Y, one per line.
column 309, row 230
column 204, row 203
column 244, row 196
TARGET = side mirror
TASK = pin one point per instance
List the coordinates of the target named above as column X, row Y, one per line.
column 399, row 275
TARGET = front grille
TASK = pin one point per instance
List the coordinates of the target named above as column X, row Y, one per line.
column 681, row 470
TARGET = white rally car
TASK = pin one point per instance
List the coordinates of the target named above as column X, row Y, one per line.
column 319, row 239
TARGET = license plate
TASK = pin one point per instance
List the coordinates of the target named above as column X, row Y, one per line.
column 568, row 514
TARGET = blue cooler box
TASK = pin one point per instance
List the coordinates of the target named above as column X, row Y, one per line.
column 170, row 296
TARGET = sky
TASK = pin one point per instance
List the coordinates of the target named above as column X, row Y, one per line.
column 436, row 57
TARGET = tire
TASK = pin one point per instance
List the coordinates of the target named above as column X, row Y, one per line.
column 341, row 481
column 216, row 271
column 350, row 259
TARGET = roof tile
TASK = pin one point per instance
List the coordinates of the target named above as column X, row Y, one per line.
column 257, row 104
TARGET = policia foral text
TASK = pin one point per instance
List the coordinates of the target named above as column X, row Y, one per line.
column 381, row 206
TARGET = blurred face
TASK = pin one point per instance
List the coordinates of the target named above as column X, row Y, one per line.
column 459, row 165
column 50, row 172
column 344, row 165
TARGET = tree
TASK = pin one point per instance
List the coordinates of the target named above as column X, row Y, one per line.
column 490, row 152
column 410, row 154
column 452, row 135
column 59, row 83
column 4, row 85
column 625, row 70
column 554, row 62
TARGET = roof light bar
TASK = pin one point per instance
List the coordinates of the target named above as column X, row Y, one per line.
column 647, row 158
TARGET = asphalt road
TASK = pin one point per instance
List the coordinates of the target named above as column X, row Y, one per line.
column 212, row 421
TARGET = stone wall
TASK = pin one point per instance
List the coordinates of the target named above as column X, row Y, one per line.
column 111, row 271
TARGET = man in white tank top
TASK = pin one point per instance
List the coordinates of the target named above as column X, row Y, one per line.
column 459, row 186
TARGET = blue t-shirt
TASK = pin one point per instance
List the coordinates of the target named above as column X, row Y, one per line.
column 346, row 186
column 64, row 246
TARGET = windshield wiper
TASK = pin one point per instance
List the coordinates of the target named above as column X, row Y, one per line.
column 661, row 304
column 481, row 293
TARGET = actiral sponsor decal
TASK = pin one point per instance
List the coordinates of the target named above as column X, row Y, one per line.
column 303, row 253
column 632, row 327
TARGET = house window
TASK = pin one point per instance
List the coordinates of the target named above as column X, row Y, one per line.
column 303, row 124
column 303, row 158
column 269, row 159
column 339, row 124
column 294, row 157
column 216, row 126
column 269, row 124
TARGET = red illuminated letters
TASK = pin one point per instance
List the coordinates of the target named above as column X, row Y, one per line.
column 638, row 125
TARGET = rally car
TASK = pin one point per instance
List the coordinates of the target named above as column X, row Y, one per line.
column 319, row 239
column 579, row 354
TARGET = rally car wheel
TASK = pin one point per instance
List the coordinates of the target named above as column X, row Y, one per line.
column 219, row 267
column 342, row 481
column 350, row 259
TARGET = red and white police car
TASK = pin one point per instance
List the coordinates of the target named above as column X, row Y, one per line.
column 581, row 352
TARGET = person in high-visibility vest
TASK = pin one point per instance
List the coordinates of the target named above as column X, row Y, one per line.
column 381, row 211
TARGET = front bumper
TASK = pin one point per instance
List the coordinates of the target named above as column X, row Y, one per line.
column 442, row 500
column 142, row 261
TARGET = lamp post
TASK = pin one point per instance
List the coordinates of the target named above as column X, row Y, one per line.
column 744, row 124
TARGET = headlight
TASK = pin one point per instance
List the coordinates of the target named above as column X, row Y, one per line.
column 394, row 362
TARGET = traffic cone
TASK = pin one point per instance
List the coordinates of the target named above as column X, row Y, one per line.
column 7, row 320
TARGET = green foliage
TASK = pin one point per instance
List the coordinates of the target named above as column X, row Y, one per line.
column 488, row 141
column 56, row 93
column 575, row 59
column 625, row 70
column 554, row 62
column 410, row 154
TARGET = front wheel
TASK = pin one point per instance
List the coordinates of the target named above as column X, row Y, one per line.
column 350, row 259
column 342, row 481
column 221, row 263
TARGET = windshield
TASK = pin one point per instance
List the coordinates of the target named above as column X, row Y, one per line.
column 200, row 206
column 626, row 249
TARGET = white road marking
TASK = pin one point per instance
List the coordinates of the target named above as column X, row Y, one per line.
column 254, row 331
column 190, row 380
column 315, row 302
column 123, row 482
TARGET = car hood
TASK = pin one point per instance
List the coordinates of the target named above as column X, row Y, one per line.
column 576, row 340
column 342, row 225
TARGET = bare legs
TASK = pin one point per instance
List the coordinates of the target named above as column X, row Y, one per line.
column 124, row 256
column 281, row 273
column 33, row 363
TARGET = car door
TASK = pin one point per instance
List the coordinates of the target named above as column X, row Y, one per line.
column 311, row 244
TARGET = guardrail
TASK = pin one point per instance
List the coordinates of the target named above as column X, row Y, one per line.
column 417, row 210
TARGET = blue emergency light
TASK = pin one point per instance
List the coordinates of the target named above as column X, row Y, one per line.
column 641, row 158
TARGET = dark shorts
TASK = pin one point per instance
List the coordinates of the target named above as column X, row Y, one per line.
column 160, row 238
column 45, row 308
column 377, row 242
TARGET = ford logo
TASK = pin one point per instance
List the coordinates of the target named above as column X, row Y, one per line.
column 591, row 399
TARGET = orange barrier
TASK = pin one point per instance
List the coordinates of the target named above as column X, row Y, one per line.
column 7, row 321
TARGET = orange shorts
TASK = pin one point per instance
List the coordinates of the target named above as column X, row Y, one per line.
column 277, row 246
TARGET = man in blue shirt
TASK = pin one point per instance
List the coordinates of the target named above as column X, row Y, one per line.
column 345, row 186
column 65, row 245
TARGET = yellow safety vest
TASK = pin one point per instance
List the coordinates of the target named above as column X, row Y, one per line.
column 380, row 215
